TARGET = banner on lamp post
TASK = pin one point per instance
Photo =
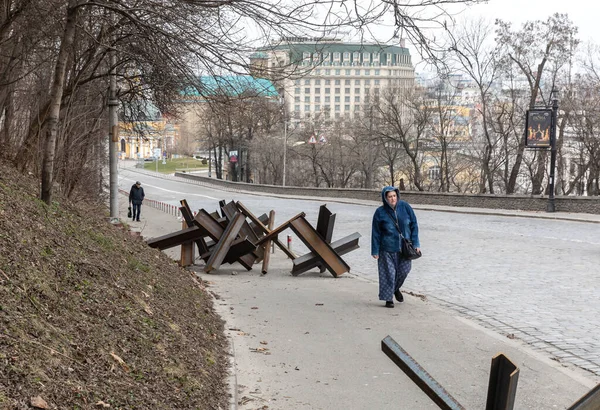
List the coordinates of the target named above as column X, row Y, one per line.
column 538, row 126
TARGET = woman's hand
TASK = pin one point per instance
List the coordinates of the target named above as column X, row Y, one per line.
column 418, row 250
column 375, row 256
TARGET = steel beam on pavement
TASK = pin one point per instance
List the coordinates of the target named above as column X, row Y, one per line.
column 215, row 231
column 307, row 234
column 263, row 228
column 222, row 247
column 312, row 260
column 325, row 223
column 590, row 401
column 186, row 212
column 239, row 248
column 267, row 245
column 418, row 375
column 176, row 238
column 502, row 387
column 230, row 210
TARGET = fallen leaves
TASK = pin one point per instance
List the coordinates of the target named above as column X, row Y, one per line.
column 120, row 361
column 39, row 403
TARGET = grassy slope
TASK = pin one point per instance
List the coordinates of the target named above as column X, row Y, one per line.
column 78, row 295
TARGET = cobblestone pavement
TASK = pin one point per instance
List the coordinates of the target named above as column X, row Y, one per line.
column 531, row 279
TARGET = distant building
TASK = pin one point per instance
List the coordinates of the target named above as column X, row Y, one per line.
column 329, row 79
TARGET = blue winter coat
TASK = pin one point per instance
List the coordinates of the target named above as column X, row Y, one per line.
column 384, row 235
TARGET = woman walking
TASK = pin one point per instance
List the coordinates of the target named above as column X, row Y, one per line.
column 391, row 220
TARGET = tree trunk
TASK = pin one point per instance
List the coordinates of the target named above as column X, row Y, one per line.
column 55, row 102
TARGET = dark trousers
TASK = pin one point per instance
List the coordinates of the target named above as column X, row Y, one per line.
column 137, row 209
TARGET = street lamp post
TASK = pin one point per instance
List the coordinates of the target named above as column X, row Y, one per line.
column 550, row 207
column 284, row 149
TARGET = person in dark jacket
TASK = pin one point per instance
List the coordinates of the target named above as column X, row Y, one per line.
column 393, row 217
column 136, row 197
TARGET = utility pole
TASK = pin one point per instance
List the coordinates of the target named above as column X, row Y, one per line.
column 550, row 207
column 113, row 136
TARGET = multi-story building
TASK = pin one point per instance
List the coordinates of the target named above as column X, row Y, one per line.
column 329, row 79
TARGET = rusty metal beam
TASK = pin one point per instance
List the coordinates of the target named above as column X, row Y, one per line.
column 418, row 375
column 590, row 401
column 186, row 212
column 325, row 223
column 239, row 248
column 307, row 234
column 311, row 260
column 267, row 231
column 267, row 245
column 222, row 247
column 502, row 387
column 215, row 231
column 230, row 210
column 176, row 238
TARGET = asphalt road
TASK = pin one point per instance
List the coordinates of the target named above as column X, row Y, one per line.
column 534, row 279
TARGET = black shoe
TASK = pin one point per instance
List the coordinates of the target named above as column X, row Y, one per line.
column 389, row 304
column 399, row 296
column 137, row 220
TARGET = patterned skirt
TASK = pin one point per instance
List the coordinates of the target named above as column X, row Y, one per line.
column 393, row 270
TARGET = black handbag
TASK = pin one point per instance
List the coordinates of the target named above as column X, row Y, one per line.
column 129, row 212
column 407, row 250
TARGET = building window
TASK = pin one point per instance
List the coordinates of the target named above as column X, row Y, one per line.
column 337, row 99
column 347, row 90
column 357, row 99
column 356, row 82
column 356, row 72
column 317, row 107
column 357, row 91
column 327, row 90
column 317, row 90
column 348, row 71
column 337, row 82
column 327, row 99
column 296, row 107
column 307, row 82
column 307, row 90
column 297, row 82
column 367, row 57
column 337, row 107
column 297, row 91
column 347, row 107
column 377, row 82
column 337, row 72
column 317, row 82
column 307, row 107
column 357, row 108
column 347, row 98
column 306, row 99
column 356, row 56
column 367, row 72
column 337, row 90
column 318, row 71
column 317, row 99
column 297, row 98
column 367, row 82
column 367, row 91
column 377, row 72
column 336, row 56
column 327, row 72
column 346, row 56
column 433, row 173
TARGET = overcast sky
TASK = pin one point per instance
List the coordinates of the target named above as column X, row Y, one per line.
column 581, row 12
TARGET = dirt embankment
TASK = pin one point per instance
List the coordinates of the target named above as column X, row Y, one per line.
column 91, row 317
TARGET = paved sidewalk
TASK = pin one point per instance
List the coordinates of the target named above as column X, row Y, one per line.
column 314, row 342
